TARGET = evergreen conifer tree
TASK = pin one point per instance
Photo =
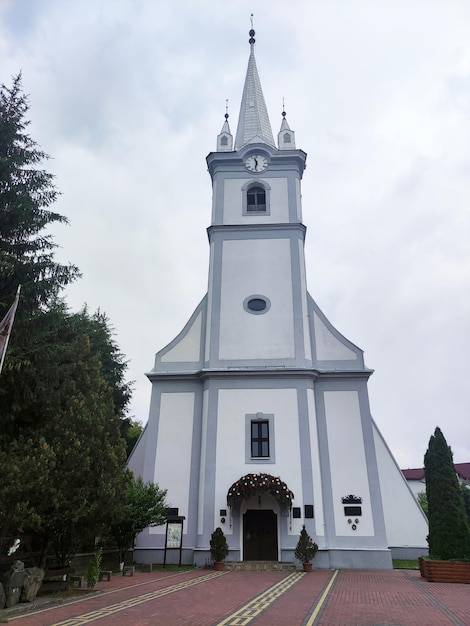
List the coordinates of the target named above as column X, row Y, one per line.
column 449, row 531
column 27, row 258
column 26, row 193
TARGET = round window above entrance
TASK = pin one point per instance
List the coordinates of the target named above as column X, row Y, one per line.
column 256, row 304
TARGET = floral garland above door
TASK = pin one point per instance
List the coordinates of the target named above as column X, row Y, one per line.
column 255, row 484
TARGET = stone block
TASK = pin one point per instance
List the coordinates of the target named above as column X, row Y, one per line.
column 32, row 583
column 13, row 581
column 76, row 582
column 106, row 575
column 128, row 570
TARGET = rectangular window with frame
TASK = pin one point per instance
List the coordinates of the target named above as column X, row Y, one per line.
column 260, row 438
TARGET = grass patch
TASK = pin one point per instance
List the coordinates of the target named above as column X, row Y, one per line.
column 405, row 564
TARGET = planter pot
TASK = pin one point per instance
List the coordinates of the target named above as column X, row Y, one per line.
column 307, row 567
column 218, row 565
column 445, row 571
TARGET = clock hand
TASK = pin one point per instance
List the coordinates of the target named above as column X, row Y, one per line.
column 256, row 163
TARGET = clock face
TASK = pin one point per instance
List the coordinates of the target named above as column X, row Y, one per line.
column 256, row 163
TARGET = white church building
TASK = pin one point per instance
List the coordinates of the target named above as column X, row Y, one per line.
column 259, row 418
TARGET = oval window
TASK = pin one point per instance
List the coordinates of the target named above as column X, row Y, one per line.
column 256, row 304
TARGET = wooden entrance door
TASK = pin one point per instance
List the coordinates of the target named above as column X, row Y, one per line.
column 260, row 535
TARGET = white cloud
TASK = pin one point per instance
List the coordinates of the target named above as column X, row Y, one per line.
column 128, row 98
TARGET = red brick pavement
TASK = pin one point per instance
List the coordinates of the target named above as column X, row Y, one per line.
column 356, row 598
column 394, row 598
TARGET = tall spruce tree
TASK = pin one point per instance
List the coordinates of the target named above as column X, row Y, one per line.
column 27, row 258
column 26, row 193
column 449, row 531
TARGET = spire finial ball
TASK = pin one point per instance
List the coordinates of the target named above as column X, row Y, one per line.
column 252, row 39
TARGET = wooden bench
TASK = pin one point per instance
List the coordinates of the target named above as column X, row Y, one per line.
column 56, row 579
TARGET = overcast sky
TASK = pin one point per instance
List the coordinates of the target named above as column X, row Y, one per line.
column 128, row 97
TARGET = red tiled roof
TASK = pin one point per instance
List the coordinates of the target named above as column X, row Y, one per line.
column 413, row 474
column 462, row 469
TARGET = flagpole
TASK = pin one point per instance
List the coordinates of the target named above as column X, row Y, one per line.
column 5, row 327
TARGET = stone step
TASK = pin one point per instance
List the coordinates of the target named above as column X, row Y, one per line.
column 258, row 566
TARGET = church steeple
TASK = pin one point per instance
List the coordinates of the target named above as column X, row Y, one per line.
column 253, row 122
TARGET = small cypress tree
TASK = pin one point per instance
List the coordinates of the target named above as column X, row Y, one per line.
column 218, row 544
column 449, row 531
column 306, row 548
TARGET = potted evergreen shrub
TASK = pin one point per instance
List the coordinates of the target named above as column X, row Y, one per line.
column 219, row 548
column 449, row 530
column 305, row 550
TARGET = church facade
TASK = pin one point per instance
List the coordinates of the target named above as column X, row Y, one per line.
column 259, row 419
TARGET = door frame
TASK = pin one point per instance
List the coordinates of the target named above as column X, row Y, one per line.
column 263, row 501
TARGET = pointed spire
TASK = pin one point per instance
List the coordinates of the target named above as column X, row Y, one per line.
column 286, row 136
column 225, row 139
column 253, row 122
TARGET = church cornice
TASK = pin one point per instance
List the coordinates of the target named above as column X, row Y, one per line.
column 253, row 372
column 255, row 228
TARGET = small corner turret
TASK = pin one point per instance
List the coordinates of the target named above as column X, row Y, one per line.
column 225, row 138
column 286, row 136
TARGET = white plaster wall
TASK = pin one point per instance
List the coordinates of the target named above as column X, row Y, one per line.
column 328, row 347
column 233, row 405
column 405, row 523
column 305, row 318
column 317, row 482
column 187, row 348
column 256, row 266
column 136, row 461
column 416, row 486
column 347, row 460
column 173, row 457
column 233, row 205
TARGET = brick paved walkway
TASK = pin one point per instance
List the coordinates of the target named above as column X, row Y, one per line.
column 207, row 598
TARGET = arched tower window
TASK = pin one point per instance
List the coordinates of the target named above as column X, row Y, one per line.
column 223, row 141
column 287, row 138
column 256, row 199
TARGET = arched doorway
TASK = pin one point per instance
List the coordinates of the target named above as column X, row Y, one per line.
column 256, row 501
column 260, row 535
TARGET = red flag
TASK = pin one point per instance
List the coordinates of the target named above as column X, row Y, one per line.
column 5, row 327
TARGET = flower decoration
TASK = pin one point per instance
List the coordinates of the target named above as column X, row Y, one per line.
column 255, row 484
